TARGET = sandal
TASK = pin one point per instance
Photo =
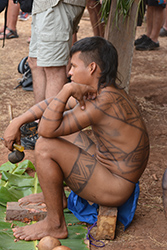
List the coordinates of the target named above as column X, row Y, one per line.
column 11, row 34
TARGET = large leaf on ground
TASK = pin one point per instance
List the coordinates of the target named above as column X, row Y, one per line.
column 6, row 196
column 15, row 186
column 75, row 240
column 19, row 168
column 18, row 180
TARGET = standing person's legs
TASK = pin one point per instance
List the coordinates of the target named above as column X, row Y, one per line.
column 94, row 8
column 155, row 17
column 47, row 81
column 12, row 17
column 165, row 22
column 13, row 12
column 50, row 44
column 39, row 80
column 149, row 18
column 157, row 22
column 56, row 77
column 163, row 31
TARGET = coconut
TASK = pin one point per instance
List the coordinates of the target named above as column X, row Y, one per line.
column 48, row 243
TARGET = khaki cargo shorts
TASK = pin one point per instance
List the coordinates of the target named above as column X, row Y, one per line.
column 51, row 34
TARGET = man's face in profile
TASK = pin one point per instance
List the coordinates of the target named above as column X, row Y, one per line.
column 79, row 72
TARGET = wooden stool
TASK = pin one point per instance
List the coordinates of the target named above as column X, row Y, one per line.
column 106, row 223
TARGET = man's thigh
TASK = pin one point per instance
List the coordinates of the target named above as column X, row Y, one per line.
column 82, row 172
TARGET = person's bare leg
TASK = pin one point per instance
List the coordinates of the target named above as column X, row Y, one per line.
column 101, row 24
column 39, row 80
column 165, row 19
column 32, row 198
column 13, row 12
column 38, row 198
column 93, row 9
column 12, row 16
column 81, row 140
column 150, row 10
column 56, row 77
column 158, row 19
column 51, row 182
column 74, row 39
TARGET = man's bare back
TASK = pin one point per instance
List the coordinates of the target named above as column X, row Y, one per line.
column 124, row 148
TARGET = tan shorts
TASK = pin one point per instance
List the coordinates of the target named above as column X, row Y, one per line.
column 51, row 34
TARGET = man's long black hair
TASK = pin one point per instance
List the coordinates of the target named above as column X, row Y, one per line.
column 103, row 53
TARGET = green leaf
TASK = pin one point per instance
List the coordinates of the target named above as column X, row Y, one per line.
column 17, row 169
column 22, row 166
column 123, row 8
column 18, row 180
column 2, row 213
column 21, row 192
column 8, row 167
column 7, row 242
column 75, row 240
column 6, row 196
column 2, row 183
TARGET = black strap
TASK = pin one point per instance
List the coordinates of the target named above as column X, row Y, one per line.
column 5, row 24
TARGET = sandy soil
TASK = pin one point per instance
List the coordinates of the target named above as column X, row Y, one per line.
column 149, row 90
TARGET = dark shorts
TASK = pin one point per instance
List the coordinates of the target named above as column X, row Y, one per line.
column 156, row 3
column 3, row 4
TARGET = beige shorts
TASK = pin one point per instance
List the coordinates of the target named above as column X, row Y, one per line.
column 51, row 34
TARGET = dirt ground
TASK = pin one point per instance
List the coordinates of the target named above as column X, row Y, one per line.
column 148, row 87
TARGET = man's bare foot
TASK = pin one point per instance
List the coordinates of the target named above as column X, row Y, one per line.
column 41, row 229
column 38, row 198
column 32, row 198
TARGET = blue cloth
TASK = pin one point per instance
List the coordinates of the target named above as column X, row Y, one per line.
column 126, row 212
column 88, row 213
column 82, row 209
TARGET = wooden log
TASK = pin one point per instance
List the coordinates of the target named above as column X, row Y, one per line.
column 106, row 223
column 25, row 213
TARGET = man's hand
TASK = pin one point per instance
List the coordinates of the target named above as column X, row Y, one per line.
column 83, row 92
column 12, row 135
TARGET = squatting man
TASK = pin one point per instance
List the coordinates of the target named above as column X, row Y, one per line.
column 104, row 173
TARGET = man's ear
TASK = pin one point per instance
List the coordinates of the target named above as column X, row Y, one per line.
column 92, row 67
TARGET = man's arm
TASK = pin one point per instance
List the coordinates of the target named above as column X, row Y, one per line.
column 56, row 121
column 12, row 132
column 72, row 102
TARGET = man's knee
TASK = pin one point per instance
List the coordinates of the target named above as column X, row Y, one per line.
column 41, row 146
column 32, row 62
column 44, row 146
column 55, row 70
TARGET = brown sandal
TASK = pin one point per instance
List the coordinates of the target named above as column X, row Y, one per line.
column 10, row 35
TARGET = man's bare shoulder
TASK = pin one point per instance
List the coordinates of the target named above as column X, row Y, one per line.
column 113, row 96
